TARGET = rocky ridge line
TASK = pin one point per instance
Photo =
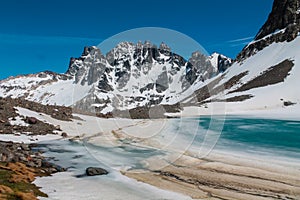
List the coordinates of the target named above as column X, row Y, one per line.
column 283, row 24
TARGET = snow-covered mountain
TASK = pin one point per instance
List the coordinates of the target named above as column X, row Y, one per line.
column 135, row 77
column 127, row 77
column 265, row 75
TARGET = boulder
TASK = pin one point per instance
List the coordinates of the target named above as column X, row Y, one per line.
column 58, row 128
column 288, row 103
column 31, row 120
column 94, row 171
column 64, row 135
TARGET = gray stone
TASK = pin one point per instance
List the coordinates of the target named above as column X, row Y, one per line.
column 94, row 171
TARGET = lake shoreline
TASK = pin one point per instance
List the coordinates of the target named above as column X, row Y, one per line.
column 221, row 109
column 216, row 175
column 20, row 166
column 221, row 178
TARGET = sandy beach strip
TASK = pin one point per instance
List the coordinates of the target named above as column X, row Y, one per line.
column 213, row 179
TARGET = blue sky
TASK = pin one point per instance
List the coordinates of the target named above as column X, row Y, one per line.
column 42, row 35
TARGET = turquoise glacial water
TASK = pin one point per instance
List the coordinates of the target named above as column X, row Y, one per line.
column 269, row 136
column 278, row 139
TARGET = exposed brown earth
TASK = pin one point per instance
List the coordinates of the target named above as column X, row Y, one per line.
column 19, row 166
column 16, row 181
column 273, row 75
column 35, row 127
column 57, row 112
column 202, row 94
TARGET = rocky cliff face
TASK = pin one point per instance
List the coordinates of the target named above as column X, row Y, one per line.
column 128, row 59
column 283, row 24
column 139, row 75
column 88, row 67
column 284, row 13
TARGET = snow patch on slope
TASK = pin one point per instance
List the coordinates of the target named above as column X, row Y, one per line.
column 64, row 93
column 270, row 98
column 45, row 89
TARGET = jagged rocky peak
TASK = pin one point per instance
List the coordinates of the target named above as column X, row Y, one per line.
column 283, row 24
column 198, row 58
column 148, row 45
column 209, row 66
column 164, row 47
column 220, row 62
column 284, row 13
column 75, row 63
column 143, row 66
column 202, row 65
column 129, row 60
column 88, row 66
column 123, row 48
column 140, row 53
column 89, row 50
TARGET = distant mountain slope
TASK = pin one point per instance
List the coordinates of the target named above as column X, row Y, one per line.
column 266, row 73
column 44, row 87
column 129, row 76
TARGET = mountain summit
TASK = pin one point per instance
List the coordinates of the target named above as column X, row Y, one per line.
column 285, row 14
column 129, row 76
column 283, row 24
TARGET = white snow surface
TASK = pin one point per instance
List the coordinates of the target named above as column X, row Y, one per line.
column 60, row 93
column 66, row 186
column 268, row 100
column 44, row 90
column 17, row 121
column 27, row 139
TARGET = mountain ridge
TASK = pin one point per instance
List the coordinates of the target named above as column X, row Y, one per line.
column 129, row 76
column 283, row 24
column 132, row 79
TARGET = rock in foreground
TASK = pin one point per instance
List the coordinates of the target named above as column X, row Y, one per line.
column 95, row 171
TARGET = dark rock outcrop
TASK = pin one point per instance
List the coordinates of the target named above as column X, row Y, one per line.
column 64, row 134
column 88, row 67
column 284, row 13
column 20, row 152
column 283, row 24
column 288, row 103
column 273, row 75
column 35, row 126
column 223, row 63
column 95, row 171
